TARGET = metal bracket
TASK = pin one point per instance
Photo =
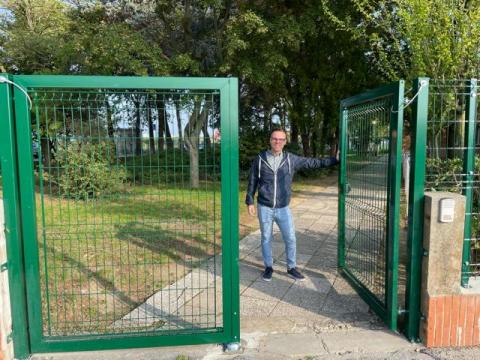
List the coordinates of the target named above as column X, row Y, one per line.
column 4, row 267
column 10, row 337
column 231, row 347
column 402, row 311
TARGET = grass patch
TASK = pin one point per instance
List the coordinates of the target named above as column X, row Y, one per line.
column 101, row 258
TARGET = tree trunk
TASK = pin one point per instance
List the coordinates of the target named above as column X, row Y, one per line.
column 151, row 135
column 179, row 124
column 161, row 129
column 138, row 128
column 191, row 135
column 306, row 143
column 206, row 136
column 110, row 128
column 168, row 136
column 46, row 152
column 293, row 133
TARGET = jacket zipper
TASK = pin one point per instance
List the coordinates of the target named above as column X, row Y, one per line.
column 274, row 188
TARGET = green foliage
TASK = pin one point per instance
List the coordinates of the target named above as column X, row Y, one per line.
column 410, row 38
column 86, row 171
column 250, row 145
column 32, row 35
column 444, row 174
column 97, row 45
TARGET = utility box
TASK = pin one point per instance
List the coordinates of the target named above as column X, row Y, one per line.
column 446, row 210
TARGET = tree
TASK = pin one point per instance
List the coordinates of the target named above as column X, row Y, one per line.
column 410, row 38
column 297, row 62
column 32, row 34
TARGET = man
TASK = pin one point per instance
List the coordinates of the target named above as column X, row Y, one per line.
column 272, row 173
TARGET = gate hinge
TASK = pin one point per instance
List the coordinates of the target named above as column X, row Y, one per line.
column 10, row 337
column 425, row 252
column 402, row 311
column 4, row 267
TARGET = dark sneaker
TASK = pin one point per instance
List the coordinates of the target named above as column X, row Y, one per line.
column 267, row 274
column 295, row 274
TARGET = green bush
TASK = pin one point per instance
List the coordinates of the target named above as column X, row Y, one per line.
column 444, row 174
column 86, row 170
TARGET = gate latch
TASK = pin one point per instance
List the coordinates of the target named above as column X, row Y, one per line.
column 4, row 267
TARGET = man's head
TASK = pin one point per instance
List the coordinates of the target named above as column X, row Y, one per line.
column 278, row 139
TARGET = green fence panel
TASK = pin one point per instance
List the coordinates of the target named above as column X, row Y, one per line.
column 129, row 210
column 371, row 124
column 452, row 142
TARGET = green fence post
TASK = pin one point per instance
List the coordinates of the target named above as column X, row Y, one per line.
column 393, row 217
column 11, row 201
column 468, row 170
column 342, row 188
column 229, row 112
column 418, row 150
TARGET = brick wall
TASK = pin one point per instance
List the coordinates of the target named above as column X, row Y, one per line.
column 451, row 314
column 452, row 321
column 6, row 349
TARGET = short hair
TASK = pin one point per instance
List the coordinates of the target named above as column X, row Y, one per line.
column 278, row 129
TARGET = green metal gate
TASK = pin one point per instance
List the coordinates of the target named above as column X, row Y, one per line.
column 126, row 228
column 369, row 199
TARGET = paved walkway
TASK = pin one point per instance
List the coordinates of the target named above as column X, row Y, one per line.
column 320, row 318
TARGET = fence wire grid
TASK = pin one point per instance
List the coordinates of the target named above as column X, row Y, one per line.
column 447, row 151
column 128, row 210
column 366, row 199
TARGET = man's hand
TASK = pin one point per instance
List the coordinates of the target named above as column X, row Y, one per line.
column 251, row 210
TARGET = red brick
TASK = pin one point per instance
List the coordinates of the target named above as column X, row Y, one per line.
column 447, row 310
column 429, row 325
column 455, row 317
column 439, row 321
column 475, row 338
column 470, row 318
column 462, row 321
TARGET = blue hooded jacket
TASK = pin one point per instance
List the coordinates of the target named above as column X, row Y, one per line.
column 275, row 188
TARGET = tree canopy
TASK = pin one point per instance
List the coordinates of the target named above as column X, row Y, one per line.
column 295, row 60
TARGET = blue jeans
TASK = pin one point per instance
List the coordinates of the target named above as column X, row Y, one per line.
column 283, row 218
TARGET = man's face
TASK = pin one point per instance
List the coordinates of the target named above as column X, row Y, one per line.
column 277, row 141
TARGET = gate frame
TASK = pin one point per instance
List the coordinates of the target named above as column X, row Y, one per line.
column 390, row 313
column 20, row 217
column 415, row 253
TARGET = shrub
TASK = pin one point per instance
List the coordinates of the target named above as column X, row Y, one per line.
column 444, row 174
column 86, row 170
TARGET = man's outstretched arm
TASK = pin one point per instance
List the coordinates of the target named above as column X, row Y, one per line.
column 300, row 162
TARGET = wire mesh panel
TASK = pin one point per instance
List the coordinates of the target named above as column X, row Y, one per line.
column 129, row 207
column 452, row 162
column 366, row 201
column 369, row 197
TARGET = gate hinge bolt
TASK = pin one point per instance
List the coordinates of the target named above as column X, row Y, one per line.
column 402, row 311
column 4, row 267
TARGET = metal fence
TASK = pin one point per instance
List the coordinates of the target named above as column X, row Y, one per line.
column 452, row 159
column 127, row 210
column 123, row 220
column 369, row 199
